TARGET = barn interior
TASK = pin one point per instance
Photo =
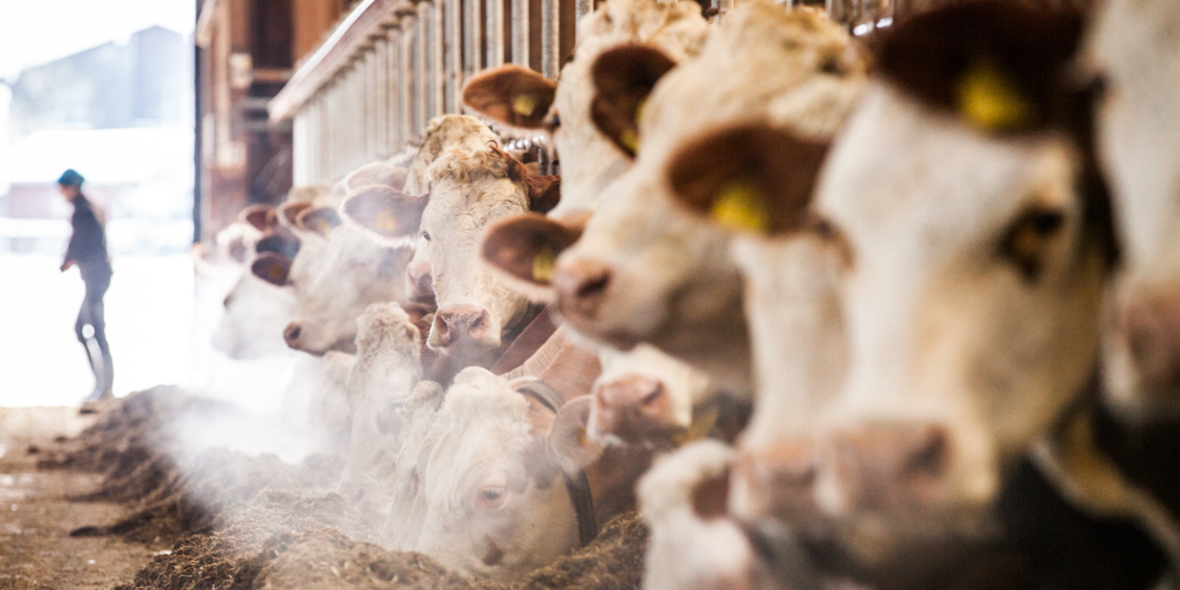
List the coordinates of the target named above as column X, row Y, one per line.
column 589, row 294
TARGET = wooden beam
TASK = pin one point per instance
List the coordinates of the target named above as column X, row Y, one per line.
column 355, row 31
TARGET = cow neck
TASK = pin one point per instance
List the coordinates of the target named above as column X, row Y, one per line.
column 1073, row 460
column 539, row 325
column 577, row 485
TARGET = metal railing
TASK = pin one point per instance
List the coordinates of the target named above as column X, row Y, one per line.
column 392, row 65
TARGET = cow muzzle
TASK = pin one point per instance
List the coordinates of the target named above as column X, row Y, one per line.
column 459, row 325
column 581, row 287
column 633, row 408
column 1145, row 342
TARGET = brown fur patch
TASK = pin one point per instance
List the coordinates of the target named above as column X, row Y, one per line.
column 776, row 171
column 710, row 497
column 623, row 78
column 272, row 268
column 544, row 191
column 281, row 241
column 930, row 54
column 511, row 94
column 385, row 211
column 261, row 217
column 320, row 220
column 513, row 244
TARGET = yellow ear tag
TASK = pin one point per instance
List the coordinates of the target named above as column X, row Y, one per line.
column 639, row 110
column 323, row 227
column 386, row 221
column 991, row 100
column 740, row 205
column 525, row 104
column 630, row 140
column 543, row 264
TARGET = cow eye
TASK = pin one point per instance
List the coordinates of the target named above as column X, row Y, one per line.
column 1028, row 239
column 426, row 236
column 491, row 496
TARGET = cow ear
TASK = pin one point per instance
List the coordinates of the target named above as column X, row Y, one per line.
column 710, row 496
column 272, row 268
column 289, row 212
column 390, row 215
column 280, row 242
column 544, row 192
column 751, row 179
column 260, row 217
column 524, row 249
column 998, row 66
column 376, row 173
column 623, row 77
column 319, row 220
column 511, row 94
column 567, row 443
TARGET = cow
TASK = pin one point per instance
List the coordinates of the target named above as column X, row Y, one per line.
column 641, row 270
column 756, row 182
column 521, row 98
column 388, row 367
column 695, row 544
column 494, row 482
column 471, row 182
column 965, row 196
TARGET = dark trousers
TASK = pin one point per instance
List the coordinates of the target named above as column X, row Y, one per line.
column 91, row 315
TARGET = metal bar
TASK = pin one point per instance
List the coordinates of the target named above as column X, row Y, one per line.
column 550, row 37
column 495, row 33
column 438, row 78
column 380, row 123
column 454, row 47
column 472, row 37
column 406, row 81
column 520, row 32
column 421, row 84
column 584, row 7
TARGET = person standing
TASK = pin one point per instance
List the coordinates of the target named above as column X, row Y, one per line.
column 88, row 251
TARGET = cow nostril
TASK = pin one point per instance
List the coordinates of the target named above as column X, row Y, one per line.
column 654, row 396
column 594, row 286
column 930, row 457
column 291, row 334
column 480, row 322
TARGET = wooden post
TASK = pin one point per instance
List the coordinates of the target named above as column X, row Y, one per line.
column 520, row 32
column 495, row 34
column 550, row 38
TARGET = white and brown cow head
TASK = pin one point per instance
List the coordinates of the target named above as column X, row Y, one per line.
column 493, row 494
column 468, row 189
column 1136, row 51
column 522, row 98
column 978, row 237
column 642, row 269
column 757, row 182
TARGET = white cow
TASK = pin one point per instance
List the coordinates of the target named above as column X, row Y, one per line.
column 757, row 182
column 1134, row 47
column 977, row 244
column 645, row 271
column 486, row 479
column 471, row 183
column 522, row 98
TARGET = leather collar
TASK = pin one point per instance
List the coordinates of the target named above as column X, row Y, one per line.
column 576, row 484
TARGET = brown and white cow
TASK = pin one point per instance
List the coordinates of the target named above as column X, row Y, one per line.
column 471, row 183
column 976, row 232
column 524, row 99
column 757, row 183
column 643, row 270
column 1135, row 50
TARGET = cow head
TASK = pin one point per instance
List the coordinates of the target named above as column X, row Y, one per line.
column 468, row 190
column 757, row 182
column 978, row 243
column 336, row 280
column 1136, row 51
column 522, row 98
column 645, row 271
column 388, row 367
column 494, row 495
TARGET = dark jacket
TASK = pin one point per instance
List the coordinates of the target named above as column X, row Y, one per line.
column 88, row 247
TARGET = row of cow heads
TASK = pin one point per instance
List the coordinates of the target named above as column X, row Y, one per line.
column 470, row 183
column 957, row 241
